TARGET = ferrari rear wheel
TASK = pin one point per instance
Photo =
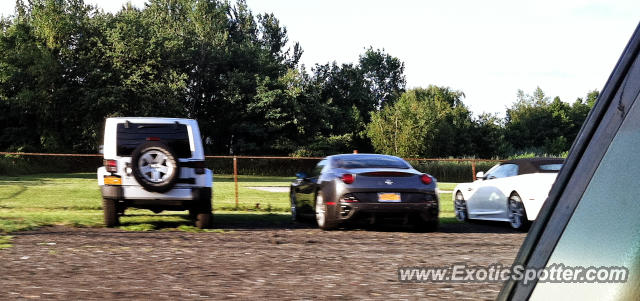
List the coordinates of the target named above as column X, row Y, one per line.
column 323, row 217
column 295, row 217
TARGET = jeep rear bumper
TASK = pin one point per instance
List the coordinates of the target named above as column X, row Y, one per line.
column 178, row 198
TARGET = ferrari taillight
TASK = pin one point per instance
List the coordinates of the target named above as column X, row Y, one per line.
column 347, row 178
column 426, row 179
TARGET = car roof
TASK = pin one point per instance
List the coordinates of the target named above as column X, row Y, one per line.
column 532, row 165
column 149, row 119
column 355, row 156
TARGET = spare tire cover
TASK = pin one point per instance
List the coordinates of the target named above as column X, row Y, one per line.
column 155, row 166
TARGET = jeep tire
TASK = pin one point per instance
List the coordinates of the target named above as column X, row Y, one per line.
column 155, row 166
column 201, row 210
column 111, row 218
column 204, row 220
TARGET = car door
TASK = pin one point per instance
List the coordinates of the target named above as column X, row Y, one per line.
column 489, row 198
column 305, row 191
column 501, row 187
column 474, row 192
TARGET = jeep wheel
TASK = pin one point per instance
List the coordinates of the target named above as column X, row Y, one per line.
column 204, row 220
column 155, row 166
column 111, row 218
column 193, row 214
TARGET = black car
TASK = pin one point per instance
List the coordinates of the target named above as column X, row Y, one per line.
column 350, row 186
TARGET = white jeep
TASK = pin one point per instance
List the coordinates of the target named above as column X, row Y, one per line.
column 156, row 164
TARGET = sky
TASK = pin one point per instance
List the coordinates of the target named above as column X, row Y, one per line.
column 487, row 49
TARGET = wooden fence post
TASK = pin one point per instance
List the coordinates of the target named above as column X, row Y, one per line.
column 235, row 177
column 473, row 169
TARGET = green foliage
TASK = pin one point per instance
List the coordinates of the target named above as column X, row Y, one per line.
column 5, row 241
column 21, row 165
column 350, row 92
column 384, row 74
column 324, row 146
column 419, row 124
column 65, row 66
column 451, row 171
column 29, row 202
column 536, row 121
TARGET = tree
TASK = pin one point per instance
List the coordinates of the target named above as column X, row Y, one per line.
column 534, row 123
column 488, row 137
column 418, row 123
column 384, row 75
column 352, row 91
column 65, row 66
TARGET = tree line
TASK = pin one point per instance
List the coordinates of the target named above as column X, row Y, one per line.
column 66, row 65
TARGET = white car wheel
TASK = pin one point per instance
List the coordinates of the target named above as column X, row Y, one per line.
column 460, row 207
column 517, row 214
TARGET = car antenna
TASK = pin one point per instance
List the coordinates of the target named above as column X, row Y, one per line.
column 127, row 123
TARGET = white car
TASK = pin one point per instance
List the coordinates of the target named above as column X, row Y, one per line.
column 512, row 191
column 156, row 164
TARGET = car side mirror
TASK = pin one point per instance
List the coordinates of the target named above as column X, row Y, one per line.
column 480, row 175
column 301, row 175
column 101, row 149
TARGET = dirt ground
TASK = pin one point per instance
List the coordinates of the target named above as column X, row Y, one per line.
column 274, row 262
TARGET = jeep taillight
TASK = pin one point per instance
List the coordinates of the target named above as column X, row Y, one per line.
column 199, row 167
column 111, row 165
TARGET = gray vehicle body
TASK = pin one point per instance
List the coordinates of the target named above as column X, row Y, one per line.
column 417, row 198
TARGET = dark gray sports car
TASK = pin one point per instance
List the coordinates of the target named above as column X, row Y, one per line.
column 350, row 186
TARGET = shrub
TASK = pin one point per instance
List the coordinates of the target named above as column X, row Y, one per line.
column 444, row 171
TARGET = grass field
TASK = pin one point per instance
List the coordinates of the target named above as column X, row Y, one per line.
column 28, row 202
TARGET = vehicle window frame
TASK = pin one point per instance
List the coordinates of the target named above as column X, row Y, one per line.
column 541, row 169
column 491, row 170
column 498, row 173
column 402, row 164
column 588, row 149
column 181, row 146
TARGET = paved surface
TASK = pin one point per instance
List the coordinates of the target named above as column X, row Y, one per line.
column 274, row 262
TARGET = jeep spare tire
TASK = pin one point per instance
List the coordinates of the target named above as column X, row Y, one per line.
column 155, row 166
